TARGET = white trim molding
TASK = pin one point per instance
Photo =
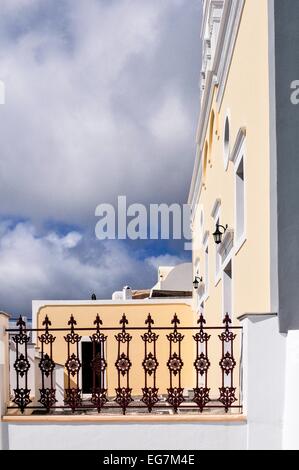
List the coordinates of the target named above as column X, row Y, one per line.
column 201, row 293
column 207, row 270
column 205, row 238
column 238, row 145
column 212, row 15
column 231, row 18
column 216, row 207
column 216, row 75
column 204, row 117
column 209, row 6
column 226, row 247
column 239, row 154
column 197, row 177
column 215, row 214
column 226, row 150
column 196, row 185
column 224, row 287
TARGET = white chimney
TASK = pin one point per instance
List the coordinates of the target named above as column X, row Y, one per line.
column 127, row 293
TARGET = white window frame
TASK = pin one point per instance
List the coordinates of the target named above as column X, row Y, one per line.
column 198, row 274
column 229, row 260
column 216, row 215
column 206, row 266
column 226, row 151
column 202, row 224
column 240, row 155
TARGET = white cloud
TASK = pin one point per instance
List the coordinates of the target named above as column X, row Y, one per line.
column 101, row 100
column 16, row 5
column 97, row 104
column 171, row 124
column 47, row 267
column 164, row 260
column 71, row 240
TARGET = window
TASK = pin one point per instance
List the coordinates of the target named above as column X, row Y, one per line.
column 227, row 290
column 200, row 292
column 226, row 144
column 201, row 225
column 211, row 136
column 206, row 271
column 238, row 158
column 205, row 164
column 218, row 256
column 240, row 200
column 89, row 351
column 215, row 214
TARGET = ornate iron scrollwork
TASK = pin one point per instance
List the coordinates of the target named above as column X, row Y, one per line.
column 73, row 395
column 123, row 365
column 72, row 337
column 123, row 397
column 73, row 398
column 175, row 397
column 227, row 397
column 150, row 365
column 175, row 364
column 202, row 365
column 201, row 397
column 150, row 399
column 73, row 365
column 227, row 364
column 47, row 397
column 99, row 397
column 99, row 366
column 22, row 398
column 21, row 365
column 47, row 367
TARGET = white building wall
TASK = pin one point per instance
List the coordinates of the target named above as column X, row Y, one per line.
column 197, row 436
column 291, row 409
column 264, row 386
column 179, row 278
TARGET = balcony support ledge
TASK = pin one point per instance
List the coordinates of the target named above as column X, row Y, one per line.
column 235, row 418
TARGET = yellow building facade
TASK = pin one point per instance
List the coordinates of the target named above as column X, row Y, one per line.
column 111, row 312
column 231, row 179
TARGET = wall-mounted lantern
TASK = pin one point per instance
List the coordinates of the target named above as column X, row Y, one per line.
column 196, row 282
column 218, row 234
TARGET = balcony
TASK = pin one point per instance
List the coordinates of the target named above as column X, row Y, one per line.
column 131, row 370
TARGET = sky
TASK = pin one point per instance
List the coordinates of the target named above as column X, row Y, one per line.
column 102, row 100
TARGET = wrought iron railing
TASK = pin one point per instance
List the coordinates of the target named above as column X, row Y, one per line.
column 148, row 397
